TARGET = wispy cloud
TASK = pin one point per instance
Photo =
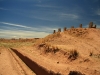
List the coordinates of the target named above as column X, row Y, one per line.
column 69, row 16
column 23, row 27
column 39, row 1
column 98, row 11
column 47, row 6
column 55, row 13
column 55, row 16
column 3, row 8
column 21, row 34
column 24, row 32
column 98, row 26
column 95, row 0
column 17, row 25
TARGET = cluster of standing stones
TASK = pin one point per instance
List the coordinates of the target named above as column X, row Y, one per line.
column 80, row 26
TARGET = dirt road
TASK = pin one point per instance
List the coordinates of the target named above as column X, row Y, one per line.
column 10, row 64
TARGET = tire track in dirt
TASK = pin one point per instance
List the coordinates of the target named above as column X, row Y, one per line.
column 37, row 69
column 18, row 63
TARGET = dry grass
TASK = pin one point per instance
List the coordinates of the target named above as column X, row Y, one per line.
column 77, row 32
column 15, row 44
column 13, row 40
column 91, row 53
column 48, row 38
column 48, row 48
column 73, row 55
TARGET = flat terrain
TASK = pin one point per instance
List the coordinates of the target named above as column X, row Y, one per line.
column 75, row 51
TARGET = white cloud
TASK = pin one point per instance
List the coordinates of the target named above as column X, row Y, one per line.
column 23, row 27
column 98, row 26
column 98, row 12
column 17, row 25
column 21, row 34
column 69, row 16
column 10, row 32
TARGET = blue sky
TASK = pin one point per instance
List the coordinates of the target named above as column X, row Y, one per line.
column 38, row 18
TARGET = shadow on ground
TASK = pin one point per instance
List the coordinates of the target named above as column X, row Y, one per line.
column 37, row 69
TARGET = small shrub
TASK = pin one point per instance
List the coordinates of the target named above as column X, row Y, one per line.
column 91, row 53
column 51, row 49
column 75, row 73
column 73, row 55
column 48, row 48
column 55, row 49
column 52, row 73
column 40, row 45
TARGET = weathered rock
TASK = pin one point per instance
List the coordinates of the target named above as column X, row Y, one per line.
column 80, row 26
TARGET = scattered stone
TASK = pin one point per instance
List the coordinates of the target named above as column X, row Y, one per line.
column 57, row 62
column 86, row 60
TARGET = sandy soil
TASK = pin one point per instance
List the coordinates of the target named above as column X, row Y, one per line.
column 11, row 64
column 43, row 58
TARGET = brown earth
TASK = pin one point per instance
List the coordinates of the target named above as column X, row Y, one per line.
column 73, row 52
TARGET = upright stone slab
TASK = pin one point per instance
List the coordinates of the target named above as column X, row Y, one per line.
column 65, row 28
column 80, row 25
column 90, row 24
column 54, row 31
column 59, row 29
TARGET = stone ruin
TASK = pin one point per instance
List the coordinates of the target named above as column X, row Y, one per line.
column 59, row 29
column 65, row 28
column 72, row 27
column 91, row 25
column 54, row 31
column 80, row 26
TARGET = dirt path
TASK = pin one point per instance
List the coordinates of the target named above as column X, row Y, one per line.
column 10, row 64
column 7, row 63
